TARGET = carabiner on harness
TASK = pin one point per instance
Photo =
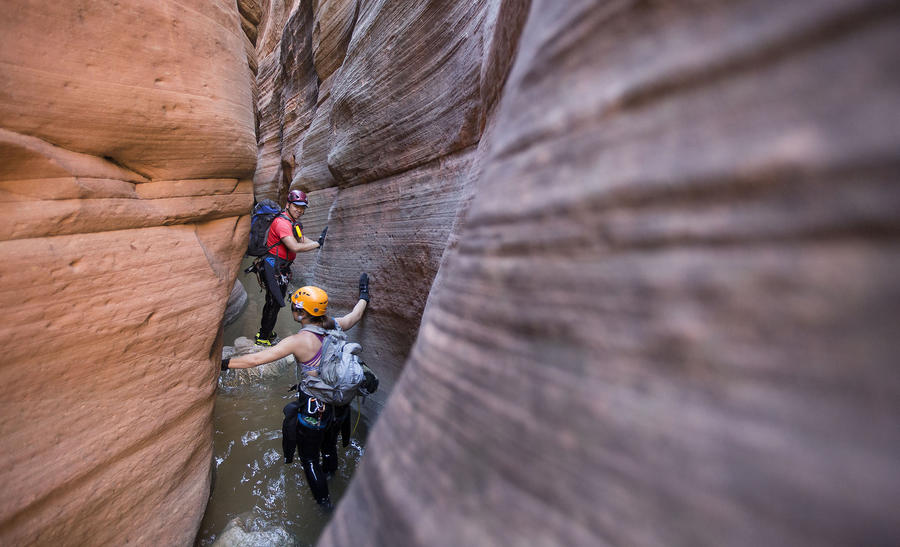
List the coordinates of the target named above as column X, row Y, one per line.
column 319, row 407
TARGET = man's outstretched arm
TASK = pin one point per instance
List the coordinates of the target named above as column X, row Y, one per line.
column 299, row 246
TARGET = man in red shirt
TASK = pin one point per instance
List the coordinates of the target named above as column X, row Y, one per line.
column 285, row 239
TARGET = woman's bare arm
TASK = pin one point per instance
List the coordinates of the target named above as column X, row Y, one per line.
column 276, row 352
column 348, row 321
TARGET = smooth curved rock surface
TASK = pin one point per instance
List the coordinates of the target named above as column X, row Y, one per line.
column 312, row 171
column 300, row 91
column 396, row 227
column 396, row 231
column 115, row 82
column 268, row 175
column 126, row 140
column 410, row 88
column 237, row 303
column 334, row 22
column 667, row 316
column 267, row 180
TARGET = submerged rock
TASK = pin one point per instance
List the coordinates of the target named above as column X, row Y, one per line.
column 245, row 346
column 236, row 534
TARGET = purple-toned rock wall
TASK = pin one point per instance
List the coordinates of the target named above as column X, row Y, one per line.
column 667, row 316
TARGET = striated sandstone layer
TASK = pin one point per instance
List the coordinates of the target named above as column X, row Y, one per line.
column 667, row 317
column 270, row 82
column 394, row 229
column 411, row 145
column 126, row 146
column 331, row 35
column 151, row 85
column 411, row 89
column 311, row 155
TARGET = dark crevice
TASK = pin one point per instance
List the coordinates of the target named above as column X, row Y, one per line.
column 122, row 165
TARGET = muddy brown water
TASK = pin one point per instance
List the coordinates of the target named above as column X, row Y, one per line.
column 251, row 480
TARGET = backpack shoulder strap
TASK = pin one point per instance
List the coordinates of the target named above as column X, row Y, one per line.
column 315, row 329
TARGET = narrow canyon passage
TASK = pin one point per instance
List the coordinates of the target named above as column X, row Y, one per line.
column 633, row 267
column 251, row 483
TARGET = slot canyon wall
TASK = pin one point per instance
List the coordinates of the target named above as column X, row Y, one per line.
column 657, row 242
column 668, row 313
column 376, row 109
column 126, row 155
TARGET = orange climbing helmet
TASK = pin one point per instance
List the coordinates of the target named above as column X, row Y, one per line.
column 312, row 299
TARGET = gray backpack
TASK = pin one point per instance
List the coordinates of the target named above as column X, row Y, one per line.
column 340, row 371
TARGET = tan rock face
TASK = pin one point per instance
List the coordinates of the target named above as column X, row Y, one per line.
column 300, row 89
column 268, row 178
column 667, row 317
column 395, row 231
column 126, row 140
column 104, row 98
column 311, row 172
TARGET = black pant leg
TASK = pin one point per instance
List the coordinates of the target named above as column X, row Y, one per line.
column 269, row 315
column 345, row 429
column 340, row 424
column 329, row 449
column 289, row 431
column 273, row 275
column 310, row 444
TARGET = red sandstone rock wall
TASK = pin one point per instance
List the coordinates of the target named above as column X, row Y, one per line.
column 668, row 316
column 126, row 147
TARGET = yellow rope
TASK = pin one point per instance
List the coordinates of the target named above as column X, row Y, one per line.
column 358, row 413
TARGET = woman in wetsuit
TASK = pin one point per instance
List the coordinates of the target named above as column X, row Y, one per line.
column 313, row 418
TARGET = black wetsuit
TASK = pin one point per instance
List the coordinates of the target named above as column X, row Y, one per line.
column 339, row 424
column 305, row 427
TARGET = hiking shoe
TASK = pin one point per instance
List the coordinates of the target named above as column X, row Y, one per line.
column 266, row 341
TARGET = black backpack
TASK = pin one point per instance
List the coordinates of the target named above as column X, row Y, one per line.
column 260, row 221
